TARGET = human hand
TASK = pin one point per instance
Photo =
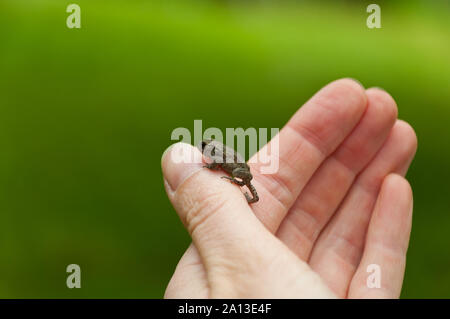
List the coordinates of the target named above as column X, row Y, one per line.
column 338, row 203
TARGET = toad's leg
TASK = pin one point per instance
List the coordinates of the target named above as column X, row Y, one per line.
column 234, row 180
column 254, row 194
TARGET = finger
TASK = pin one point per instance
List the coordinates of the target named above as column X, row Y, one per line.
column 326, row 189
column 386, row 244
column 338, row 249
column 189, row 279
column 312, row 134
column 214, row 211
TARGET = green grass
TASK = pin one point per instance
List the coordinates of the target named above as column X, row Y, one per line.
column 86, row 114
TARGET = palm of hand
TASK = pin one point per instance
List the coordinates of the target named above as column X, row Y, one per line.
column 337, row 204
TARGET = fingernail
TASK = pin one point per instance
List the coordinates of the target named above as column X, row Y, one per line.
column 178, row 162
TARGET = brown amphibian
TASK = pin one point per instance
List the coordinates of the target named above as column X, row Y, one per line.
column 230, row 161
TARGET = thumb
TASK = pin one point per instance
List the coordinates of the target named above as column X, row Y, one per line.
column 213, row 210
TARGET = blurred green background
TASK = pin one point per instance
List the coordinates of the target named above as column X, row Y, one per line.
column 86, row 114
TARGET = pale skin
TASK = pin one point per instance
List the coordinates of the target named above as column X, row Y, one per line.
column 338, row 203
